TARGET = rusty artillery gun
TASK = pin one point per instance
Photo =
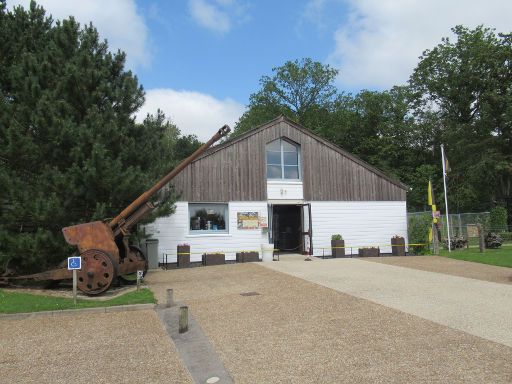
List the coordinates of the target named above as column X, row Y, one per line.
column 103, row 245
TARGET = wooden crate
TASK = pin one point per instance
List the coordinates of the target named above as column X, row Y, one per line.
column 247, row 257
column 183, row 256
column 369, row 252
column 214, row 259
column 398, row 246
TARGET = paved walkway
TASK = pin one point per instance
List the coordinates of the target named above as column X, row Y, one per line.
column 481, row 308
column 196, row 351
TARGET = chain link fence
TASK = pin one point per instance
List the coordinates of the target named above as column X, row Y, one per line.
column 465, row 225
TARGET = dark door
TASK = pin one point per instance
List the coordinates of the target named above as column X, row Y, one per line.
column 287, row 227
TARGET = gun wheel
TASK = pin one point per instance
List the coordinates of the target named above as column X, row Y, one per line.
column 97, row 273
column 140, row 257
column 136, row 255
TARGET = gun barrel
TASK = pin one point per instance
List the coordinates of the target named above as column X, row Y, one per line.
column 155, row 188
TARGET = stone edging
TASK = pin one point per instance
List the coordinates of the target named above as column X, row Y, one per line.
column 65, row 312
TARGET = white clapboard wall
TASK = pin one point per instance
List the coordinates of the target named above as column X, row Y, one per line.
column 174, row 230
column 361, row 223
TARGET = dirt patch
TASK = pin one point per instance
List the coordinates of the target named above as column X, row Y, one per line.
column 294, row 331
column 449, row 266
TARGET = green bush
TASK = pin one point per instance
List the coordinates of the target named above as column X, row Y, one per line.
column 498, row 219
column 417, row 228
column 336, row 237
column 505, row 236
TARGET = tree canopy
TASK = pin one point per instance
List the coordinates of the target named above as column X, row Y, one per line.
column 70, row 149
column 296, row 89
column 465, row 86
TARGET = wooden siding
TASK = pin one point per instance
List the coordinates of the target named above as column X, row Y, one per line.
column 236, row 171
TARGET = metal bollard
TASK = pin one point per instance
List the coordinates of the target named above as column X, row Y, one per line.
column 183, row 325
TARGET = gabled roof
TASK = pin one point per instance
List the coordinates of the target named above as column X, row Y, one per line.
column 307, row 132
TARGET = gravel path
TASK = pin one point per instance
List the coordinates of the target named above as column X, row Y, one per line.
column 479, row 307
column 295, row 331
column 449, row 266
column 126, row 347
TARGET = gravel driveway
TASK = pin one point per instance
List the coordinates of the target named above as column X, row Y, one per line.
column 295, row 331
column 124, row 347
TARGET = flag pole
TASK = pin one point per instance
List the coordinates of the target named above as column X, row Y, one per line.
column 446, row 198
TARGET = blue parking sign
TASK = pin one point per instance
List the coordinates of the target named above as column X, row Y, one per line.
column 74, row 262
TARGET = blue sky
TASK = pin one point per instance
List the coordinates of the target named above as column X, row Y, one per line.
column 228, row 60
column 199, row 60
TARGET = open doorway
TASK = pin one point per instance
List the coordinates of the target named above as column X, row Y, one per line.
column 287, row 227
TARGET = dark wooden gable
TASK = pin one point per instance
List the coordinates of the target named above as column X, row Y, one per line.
column 236, row 170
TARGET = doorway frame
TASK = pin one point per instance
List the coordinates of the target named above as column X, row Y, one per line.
column 309, row 232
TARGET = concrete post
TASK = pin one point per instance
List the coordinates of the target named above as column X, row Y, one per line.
column 183, row 325
column 481, row 242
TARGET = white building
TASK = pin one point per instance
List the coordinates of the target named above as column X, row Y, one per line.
column 282, row 184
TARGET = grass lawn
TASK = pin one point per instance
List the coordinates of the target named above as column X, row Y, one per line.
column 16, row 302
column 501, row 257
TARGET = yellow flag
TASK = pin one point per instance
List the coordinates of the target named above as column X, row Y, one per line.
column 429, row 193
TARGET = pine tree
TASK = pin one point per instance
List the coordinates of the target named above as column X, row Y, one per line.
column 70, row 150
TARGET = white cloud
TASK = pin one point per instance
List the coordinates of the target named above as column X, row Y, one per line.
column 314, row 11
column 209, row 16
column 217, row 15
column 193, row 112
column 118, row 21
column 380, row 44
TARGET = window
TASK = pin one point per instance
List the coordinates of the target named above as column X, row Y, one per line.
column 208, row 218
column 283, row 160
